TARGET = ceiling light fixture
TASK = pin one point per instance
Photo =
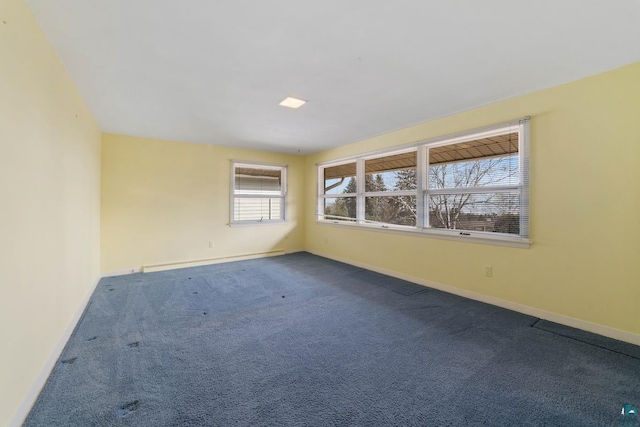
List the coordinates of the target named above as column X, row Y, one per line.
column 292, row 102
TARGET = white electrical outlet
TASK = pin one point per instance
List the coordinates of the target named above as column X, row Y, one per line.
column 210, row 244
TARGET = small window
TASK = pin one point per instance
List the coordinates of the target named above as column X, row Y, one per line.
column 340, row 187
column 258, row 193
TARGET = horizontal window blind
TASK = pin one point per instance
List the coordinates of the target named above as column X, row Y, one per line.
column 258, row 193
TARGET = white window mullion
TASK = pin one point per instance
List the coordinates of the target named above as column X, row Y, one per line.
column 524, row 177
column 390, row 193
column 360, row 185
column 320, row 195
column 284, row 186
column 422, row 217
column 253, row 196
column 475, row 190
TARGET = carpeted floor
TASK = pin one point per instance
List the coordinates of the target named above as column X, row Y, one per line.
column 299, row 340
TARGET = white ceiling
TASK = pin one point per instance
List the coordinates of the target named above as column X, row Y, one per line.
column 214, row 71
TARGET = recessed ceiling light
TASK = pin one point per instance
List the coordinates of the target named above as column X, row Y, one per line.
column 293, row 102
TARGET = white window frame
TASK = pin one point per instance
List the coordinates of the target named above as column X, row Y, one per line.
column 388, row 193
column 359, row 190
column 521, row 126
column 233, row 195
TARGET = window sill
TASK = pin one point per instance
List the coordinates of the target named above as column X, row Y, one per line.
column 256, row 223
column 469, row 236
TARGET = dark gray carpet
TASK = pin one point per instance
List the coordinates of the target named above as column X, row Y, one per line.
column 301, row 340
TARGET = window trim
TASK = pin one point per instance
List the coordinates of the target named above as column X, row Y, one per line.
column 520, row 125
column 232, row 195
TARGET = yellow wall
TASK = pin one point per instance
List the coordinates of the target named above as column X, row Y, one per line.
column 50, row 215
column 585, row 207
column 164, row 201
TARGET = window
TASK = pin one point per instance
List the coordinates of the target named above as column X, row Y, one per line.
column 473, row 185
column 339, row 189
column 258, row 193
column 390, row 189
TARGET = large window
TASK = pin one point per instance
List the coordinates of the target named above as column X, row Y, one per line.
column 472, row 185
column 258, row 193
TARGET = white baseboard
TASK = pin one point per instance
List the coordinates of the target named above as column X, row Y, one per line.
column 121, row 272
column 209, row 261
column 294, row 251
column 585, row 325
column 196, row 263
column 36, row 387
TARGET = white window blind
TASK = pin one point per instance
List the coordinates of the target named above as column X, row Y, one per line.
column 475, row 184
column 258, row 193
